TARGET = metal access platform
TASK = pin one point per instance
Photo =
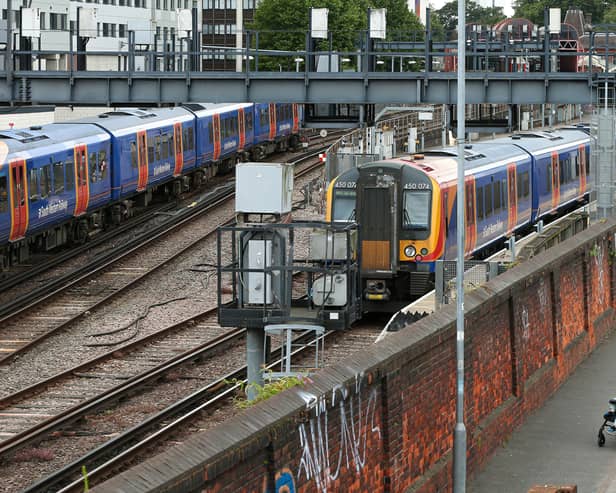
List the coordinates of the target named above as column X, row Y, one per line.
column 281, row 273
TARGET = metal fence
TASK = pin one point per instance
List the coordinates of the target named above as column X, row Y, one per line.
column 476, row 273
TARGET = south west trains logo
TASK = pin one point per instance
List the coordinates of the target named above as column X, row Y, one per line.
column 53, row 208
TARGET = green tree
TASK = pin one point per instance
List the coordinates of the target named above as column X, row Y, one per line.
column 283, row 24
column 438, row 30
column 475, row 13
column 610, row 15
column 534, row 9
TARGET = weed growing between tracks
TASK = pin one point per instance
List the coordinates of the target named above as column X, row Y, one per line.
column 263, row 392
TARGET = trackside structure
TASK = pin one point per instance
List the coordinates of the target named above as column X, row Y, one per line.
column 383, row 419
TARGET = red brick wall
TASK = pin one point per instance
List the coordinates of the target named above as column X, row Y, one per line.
column 383, row 420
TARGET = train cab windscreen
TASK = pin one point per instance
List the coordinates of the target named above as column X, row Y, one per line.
column 344, row 205
column 416, row 210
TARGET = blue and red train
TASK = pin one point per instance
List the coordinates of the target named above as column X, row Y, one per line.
column 61, row 181
column 407, row 214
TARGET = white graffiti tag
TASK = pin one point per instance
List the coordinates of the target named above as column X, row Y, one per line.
column 356, row 423
column 525, row 323
column 599, row 264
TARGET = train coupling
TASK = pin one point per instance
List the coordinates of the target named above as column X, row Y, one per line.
column 376, row 290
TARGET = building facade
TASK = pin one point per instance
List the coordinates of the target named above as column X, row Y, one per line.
column 220, row 28
column 154, row 23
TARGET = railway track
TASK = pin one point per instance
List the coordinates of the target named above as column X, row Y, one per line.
column 162, row 427
column 35, row 317
column 25, row 280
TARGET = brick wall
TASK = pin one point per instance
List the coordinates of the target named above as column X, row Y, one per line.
column 383, row 420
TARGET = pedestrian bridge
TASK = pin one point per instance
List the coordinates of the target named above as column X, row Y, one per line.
column 498, row 72
column 146, row 88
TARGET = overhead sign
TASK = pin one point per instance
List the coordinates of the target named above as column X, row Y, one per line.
column 184, row 22
column 88, row 17
column 318, row 23
column 554, row 24
column 30, row 23
column 378, row 23
column 424, row 115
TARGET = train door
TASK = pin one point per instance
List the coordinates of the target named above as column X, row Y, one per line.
column 378, row 236
column 555, row 180
column 512, row 198
column 471, row 225
column 241, row 128
column 272, row 121
column 82, row 188
column 582, row 167
column 18, row 199
column 178, row 147
column 142, row 160
column 295, row 118
column 216, row 136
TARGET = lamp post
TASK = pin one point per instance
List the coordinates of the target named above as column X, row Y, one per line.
column 459, row 440
column 297, row 62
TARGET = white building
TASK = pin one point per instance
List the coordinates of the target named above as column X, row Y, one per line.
column 154, row 23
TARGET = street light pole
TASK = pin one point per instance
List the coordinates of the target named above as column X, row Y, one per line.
column 459, row 440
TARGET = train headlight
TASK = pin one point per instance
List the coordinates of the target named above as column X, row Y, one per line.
column 424, row 251
column 410, row 251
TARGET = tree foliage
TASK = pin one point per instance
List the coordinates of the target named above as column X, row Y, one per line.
column 534, row 9
column 475, row 13
column 610, row 15
column 283, row 24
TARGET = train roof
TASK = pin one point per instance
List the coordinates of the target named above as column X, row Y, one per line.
column 547, row 140
column 42, row 139
column 208, row 109
column 127, row 120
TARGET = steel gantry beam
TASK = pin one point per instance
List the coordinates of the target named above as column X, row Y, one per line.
column 164, row 88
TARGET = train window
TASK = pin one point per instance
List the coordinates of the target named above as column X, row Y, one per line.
column 497, row 197
column 45, row 181
column 264, row 117
column 185, row 138
column 191, row 139
column 83, row 168
column 133, row 153
column 488, row 199
column 165, row 146
column 416, row 210
column 525, row 184
column 94, row 175
column 33, row 186
column 504, row 193
column 69, row 175
column 344, row 205
column 248, row 122
column 58, row 177
column 548, row 181
column 211, row 132
column 102, row 163
column 157, row 148
column 150, row 151
column 575, row 159
column 4, row 198
column 479, row 193
column 587, row 162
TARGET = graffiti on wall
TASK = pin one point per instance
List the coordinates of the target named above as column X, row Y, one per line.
column 598, row 254
column 348, row 439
